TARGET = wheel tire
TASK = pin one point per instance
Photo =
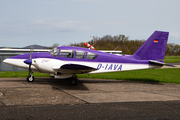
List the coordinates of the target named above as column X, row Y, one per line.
column 30, row 78
column 73, row 81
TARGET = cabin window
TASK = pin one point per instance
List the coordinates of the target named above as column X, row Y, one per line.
column 91, row 56
column 67, row 53
column 54, row 52
column 80, row 54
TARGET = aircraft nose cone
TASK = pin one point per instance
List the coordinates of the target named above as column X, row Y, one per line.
column 28, row 61
column 7, row 61
column 10, row 61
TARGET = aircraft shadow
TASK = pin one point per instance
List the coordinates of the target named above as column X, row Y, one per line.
column 58, row 84
column 145, row 80
column 64, row 84
column 129, row 80
column 55, row 83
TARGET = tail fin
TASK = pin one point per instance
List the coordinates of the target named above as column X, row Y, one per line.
column 154, row 47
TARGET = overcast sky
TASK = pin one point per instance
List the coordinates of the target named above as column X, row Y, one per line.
column 45, row 22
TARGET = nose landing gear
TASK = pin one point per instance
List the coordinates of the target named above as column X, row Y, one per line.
column 30, row 77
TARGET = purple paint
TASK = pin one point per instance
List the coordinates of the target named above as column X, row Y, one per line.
column 153, row 49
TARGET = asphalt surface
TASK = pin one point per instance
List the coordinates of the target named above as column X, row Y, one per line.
column 48, row 99
column 169, row 110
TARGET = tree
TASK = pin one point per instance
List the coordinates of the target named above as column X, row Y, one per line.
column 168, row 49
column 177, row 49
column 54, row 45
column 123, row 43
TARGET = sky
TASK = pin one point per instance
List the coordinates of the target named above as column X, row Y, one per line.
column 46, row 22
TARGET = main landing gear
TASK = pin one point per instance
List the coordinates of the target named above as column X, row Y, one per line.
column 73, row 81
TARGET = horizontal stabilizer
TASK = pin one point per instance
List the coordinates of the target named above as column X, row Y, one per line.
column 160, row 63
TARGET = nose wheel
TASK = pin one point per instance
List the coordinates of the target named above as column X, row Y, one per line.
column 30, row 78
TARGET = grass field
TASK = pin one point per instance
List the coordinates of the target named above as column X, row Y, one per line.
column 4, row 74
column 172, row 59
column 170, row 75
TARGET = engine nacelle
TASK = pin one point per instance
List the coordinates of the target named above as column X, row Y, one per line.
column 63, row 76
column 44, row 65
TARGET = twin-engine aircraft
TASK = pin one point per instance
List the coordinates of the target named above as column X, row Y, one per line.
column 66, row 61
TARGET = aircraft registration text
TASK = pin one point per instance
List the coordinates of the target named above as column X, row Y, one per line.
column 117, row 67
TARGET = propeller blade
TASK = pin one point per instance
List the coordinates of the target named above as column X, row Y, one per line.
column 31, row 50
column 30, row 56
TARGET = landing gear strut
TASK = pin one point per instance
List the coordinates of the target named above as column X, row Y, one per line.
column 30, row 77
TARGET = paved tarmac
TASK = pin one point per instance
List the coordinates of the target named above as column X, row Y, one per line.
column 48, row 98
column 169, row 110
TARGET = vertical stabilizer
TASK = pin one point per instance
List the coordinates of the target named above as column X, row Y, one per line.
column 154, row 47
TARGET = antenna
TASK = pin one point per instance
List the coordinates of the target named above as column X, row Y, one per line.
column 114, row 49
column 93, row 40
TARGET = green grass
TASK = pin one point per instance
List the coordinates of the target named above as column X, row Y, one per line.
column 4, row 74
column 172, row 59
column 170, row 75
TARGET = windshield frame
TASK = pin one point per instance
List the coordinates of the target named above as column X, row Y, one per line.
column 54, row 52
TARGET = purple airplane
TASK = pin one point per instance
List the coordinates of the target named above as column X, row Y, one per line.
column 66, row 61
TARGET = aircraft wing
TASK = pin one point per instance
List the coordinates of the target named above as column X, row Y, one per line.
column 75, row 67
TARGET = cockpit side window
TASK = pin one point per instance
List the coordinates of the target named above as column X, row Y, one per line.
column 91, row 56
column 80, row 54
column 54, row 52
column 67, row 53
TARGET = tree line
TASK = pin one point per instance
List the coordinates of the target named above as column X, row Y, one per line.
column 122, row 42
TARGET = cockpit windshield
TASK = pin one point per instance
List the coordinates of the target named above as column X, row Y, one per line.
column 54, row 52
column 67, row 53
